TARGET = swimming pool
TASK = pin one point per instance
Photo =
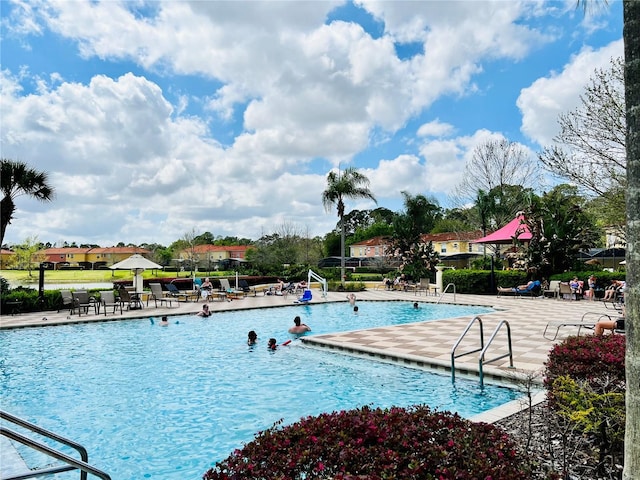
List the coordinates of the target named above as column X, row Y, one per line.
column 168, row 402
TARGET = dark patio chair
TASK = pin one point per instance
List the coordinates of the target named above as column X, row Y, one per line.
column 177, row 294
column 83, row 302
column 108, row 299
column 67, row 301
column 130, row 300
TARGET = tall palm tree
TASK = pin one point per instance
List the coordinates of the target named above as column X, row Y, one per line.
column 17, row 178
column 631, row 36
column 350, row 184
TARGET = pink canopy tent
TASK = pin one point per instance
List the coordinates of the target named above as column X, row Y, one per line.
column 516, row 228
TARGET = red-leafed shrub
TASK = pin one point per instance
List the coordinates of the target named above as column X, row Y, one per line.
column 588, row 358
column 396, row 443
column 585, row 381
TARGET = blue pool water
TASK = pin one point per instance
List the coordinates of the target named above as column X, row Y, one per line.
column 168, row 402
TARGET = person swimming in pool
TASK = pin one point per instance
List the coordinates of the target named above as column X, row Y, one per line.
column 272, row 344
column 252, row 338
column 205, row 311
column 299, row 327
column 164, row 322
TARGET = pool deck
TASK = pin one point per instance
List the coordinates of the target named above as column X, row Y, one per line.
column 424, row 345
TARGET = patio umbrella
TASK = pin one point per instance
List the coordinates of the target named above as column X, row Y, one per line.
column 138, row 264
column 516, row 228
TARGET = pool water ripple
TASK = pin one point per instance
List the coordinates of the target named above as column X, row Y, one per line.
column 168, row 402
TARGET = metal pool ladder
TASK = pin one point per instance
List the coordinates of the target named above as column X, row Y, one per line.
column 446, row 289
column 483, row 348
column 69, row 463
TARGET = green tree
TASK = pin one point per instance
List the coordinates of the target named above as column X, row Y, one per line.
column 417, row 259
column 205, row 238
column 350, row 184
column 16, row 178
column 560, row 228
column 26, row 253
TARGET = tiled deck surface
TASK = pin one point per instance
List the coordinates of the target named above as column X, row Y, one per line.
column 425, row 344
column 428, row 342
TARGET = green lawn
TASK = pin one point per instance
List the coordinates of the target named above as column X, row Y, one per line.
column 84, row 276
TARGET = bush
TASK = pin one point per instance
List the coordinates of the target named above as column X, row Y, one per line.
column 587, row 358
column 479, row 281
column 585, row 379
column 396, row 443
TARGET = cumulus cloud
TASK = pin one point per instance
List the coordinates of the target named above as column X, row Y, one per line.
column 288, row 94
column 548, row 97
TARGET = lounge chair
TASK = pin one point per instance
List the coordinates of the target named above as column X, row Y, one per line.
column 533, row 289
column 83, row 302
column 157, row 295
column 305, row 298
column 244, row 286
column 583, row 323
column 108, row 299
column 230, row 292
column 177, row 294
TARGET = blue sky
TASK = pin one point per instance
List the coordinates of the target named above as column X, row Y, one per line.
column 157, row 119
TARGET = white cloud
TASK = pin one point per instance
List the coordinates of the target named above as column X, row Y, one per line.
column 548, row 97
column 436, row 128
column 301, row 96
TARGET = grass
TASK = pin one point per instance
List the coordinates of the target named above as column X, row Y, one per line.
column 88, row 276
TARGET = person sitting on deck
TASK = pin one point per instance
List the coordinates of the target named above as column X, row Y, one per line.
column 612, row 325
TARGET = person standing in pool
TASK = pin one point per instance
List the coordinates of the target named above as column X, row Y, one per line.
column 299, row 327
column 352, row 299
column 252, row 338
column 272, row 344
column 164, row 322
column 205, row 311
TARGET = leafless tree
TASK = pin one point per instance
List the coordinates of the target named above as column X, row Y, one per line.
column 497, row 163
column 590, row 150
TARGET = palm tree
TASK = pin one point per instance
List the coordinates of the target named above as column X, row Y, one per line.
column 17, row 179
column 350, row 184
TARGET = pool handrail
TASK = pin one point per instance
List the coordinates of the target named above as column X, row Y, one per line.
column 71, row 463
column 482, row 361
column 462, row 335
column 445, row 291
column 323, row 282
